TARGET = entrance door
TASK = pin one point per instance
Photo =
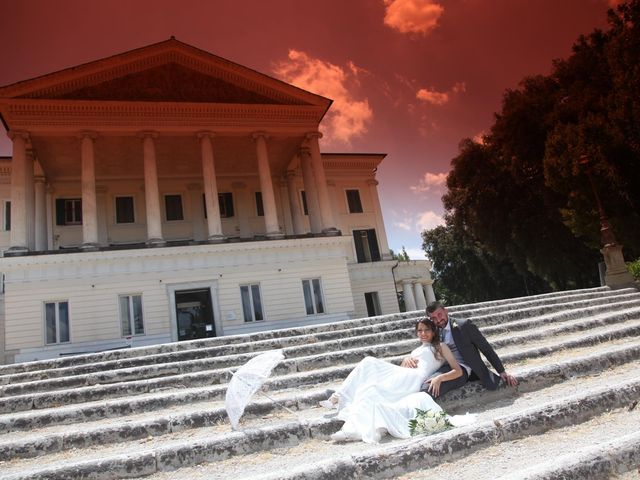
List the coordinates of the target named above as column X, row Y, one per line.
column 195, row 314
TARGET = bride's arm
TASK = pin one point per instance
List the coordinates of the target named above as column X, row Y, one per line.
column 455, row 372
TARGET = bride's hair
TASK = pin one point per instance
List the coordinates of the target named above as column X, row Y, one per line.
column 435, row 340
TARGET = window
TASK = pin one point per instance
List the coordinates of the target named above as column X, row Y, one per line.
column 173, row 207
column 353, row 200
column 225, row 200
column 366, row 245
column 303, row 196
column 373, row 304
column 313, row 300
column 131, row 315
column 56, row 322
column 259, row 206
column 68, row 211
column 125, row 210
column 7, row 215
column 251, row 303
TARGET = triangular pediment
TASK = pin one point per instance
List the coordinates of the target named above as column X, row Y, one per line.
column 169, row 71
column 168, row 83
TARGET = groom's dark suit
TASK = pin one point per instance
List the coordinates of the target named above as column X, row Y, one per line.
column 470, row 342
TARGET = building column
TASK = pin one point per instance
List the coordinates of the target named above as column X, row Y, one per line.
column 294, row 203
column 20, row 166
column 382, row 233
column 421, row 303
column 326, row 213
column 285, row 208
column 40, row 214
column 409, row 301
column 243, row 209
column 49, row 215
column 214, row 224
column 310, row 192
column 151, row 190
column 197, row 212
column 103, row 228
column 431, row 296
column 266, row 187
column 89, row 199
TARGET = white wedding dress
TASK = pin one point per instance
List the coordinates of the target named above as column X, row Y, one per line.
column 378, row 396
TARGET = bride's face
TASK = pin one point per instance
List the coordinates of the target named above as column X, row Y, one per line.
column 425, row 334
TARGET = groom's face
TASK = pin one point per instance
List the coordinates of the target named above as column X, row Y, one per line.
column 440, row 317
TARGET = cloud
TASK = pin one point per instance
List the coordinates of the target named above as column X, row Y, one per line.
column 412, row 16
column 405, row 225
column 428, row 220
column 432, row 96
column 430, row 182
column 415, row 253
column 479, row 138
column 348, row 117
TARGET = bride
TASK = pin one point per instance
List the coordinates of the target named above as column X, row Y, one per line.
column 379, row 397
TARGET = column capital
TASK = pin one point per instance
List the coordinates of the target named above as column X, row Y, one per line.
column 290, row 174
column 147, row 134
column 87, row 134
column 310, row 135
column 304, row 152
column 39, row 179
column 205, row 134
column 260, row 134
column 372, row 182
column 18, row 133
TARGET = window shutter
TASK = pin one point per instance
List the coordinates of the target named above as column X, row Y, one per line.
column 60, row 218
column 373, row 245
column 357, row 239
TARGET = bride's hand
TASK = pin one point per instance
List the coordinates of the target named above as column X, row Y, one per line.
column 434, row 386
column 409, row 362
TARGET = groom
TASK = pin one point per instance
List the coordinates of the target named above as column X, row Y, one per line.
column 466, row 342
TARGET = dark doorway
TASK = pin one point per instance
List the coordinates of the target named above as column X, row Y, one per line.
column 195, row 314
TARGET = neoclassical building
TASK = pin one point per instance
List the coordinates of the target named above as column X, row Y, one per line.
column 167, row 194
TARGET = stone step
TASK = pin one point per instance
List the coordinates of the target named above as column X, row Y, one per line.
column 26, row 396
column 374, row 462
column 148, row 419
column 601, row 292
column 308, row 340
column 173, row 374
column 602, row 447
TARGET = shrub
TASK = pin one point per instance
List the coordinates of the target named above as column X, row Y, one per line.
column 634, row 268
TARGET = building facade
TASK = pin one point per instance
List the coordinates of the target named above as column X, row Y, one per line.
column 167, row 194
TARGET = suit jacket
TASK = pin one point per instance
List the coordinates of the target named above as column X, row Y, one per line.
column 470, row 343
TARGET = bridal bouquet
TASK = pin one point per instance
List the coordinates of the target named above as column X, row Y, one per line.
column 429, row 421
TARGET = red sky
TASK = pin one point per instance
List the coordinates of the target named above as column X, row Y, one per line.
column 409, row 78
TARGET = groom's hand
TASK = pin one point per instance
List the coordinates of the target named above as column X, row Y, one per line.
column 409, row 362
column 509, row 379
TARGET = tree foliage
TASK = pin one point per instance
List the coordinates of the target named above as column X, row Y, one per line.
column 519, row 207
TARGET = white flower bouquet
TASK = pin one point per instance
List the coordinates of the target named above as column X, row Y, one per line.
column 429, row 422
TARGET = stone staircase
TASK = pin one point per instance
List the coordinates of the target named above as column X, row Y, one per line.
column 158, row 412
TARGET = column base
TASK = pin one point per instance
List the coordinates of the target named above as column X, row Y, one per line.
column 155, row 242
column 89, row 247
column 275, row 236
column 332, row 232
column 16, row 251
column 216, row 239
column 618, row 279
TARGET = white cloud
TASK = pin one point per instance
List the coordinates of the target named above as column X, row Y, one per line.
column 428, row 220
column 415, row 253
column 430, row 182
column 434, row 97
column 412, row 16
column 405, row 225
column 348, row 117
